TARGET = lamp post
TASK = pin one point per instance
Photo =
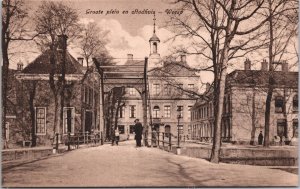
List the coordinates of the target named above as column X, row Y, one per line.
column 178, row 118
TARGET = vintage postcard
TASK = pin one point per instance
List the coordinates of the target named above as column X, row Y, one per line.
column 140, row 93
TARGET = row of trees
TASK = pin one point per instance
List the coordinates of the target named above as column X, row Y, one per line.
column 224, row 30
column 52, row 24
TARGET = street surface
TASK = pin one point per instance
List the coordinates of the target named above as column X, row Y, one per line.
column 126, row 165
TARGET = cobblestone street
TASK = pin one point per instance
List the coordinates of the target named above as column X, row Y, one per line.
column 125, row 165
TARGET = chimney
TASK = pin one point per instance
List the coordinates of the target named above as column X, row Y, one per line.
column 183, row 58
column 62, row 42
column 20, row 66
column 264, row 65
column 207, row 87
column 247, row 64
column 129, row 57
column 80, row 60
column 285, row 66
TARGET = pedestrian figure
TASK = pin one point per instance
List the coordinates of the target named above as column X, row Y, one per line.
column 260, row 138
column 117, row 136
column 154, row 138
column 138, row 129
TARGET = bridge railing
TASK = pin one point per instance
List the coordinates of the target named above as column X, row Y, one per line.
column 162, row 140
column 77, row 139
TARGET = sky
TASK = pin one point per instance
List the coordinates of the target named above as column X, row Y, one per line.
column 128, row 33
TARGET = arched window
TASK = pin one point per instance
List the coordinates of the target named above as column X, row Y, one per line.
column 156, row 110
column 154, row 47
column 295, row 103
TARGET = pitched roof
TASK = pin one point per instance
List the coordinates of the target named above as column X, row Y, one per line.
column 260, row 77
column 41, row 65
column 174, row 68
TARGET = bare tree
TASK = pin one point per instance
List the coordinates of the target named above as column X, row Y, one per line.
column 92, row 41
column 57, row 22
column 219, row 34
column 282, row 26
column 14, row 15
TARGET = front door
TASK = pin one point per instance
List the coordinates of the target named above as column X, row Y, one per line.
column 88, row 121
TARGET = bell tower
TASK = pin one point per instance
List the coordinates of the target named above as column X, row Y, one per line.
column 154, row 57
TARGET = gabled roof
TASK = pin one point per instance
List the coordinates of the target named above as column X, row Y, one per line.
column 41, row 65
column 174, row 68
column 260, row 77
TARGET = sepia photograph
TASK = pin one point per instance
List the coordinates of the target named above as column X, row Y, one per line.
column 149, row 93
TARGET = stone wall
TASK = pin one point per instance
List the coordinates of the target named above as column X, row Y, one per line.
column 249, row 156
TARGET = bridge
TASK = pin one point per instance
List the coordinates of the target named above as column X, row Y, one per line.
column 125, row 165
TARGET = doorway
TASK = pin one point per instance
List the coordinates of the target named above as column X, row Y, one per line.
column 88, row 121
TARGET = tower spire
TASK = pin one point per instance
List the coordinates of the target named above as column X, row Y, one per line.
column 154, row 23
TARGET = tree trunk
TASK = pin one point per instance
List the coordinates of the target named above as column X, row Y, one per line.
column 270, row 81
column 216, row 148
column 220, row 93
column 56, row 112
column 32, row 112
column 145, row 125
column 253, row 119
column 4, row 90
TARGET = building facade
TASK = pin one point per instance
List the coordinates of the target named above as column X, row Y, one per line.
column 172, row 85
column 36, row 101
column 244, row 107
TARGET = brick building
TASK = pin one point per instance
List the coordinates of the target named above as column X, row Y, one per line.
column 35, row 99
column 244, row 106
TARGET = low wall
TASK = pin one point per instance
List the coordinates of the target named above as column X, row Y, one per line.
column 27, row 154
column 249, row 156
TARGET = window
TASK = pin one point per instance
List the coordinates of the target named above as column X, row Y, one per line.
column 167, row 111
column 189, row 111
column 167, row 89
column 86, row 94
column 156, row 111
column 154, row 47
column 132, row 91
column 295, row 128
column 181, row 110
column 281, row 127
column 279, row 104
column 295, row 103
column 132, row 110
column 91, row 93
column 122, row 112
column 69, row 120
column 156, row 89
column 167, row 129
column 191, row 87
column 180, row 129
column 131, row 129
column 121, row 129
column 40, row 120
